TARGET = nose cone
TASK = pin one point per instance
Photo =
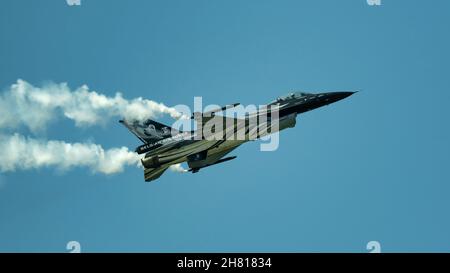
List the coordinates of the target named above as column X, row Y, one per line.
column 345, row 94
column 309, row 102
column 337, row 96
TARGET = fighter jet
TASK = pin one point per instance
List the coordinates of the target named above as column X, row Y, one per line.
column 216, row 135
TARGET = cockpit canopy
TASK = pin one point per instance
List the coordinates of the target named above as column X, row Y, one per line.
column 293, row 95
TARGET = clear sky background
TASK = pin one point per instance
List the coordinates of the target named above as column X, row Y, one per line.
column 372, row 167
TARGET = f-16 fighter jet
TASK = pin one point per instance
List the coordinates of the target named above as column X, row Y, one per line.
column 218, row 135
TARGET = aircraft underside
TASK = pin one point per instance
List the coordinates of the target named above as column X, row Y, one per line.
column 219, row 135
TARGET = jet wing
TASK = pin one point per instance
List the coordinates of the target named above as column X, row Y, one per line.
column 211, row 156
column 212, row 112
column 205, row 116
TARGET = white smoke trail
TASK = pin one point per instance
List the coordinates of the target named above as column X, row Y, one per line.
column 20, row 153
column 34, row 107
column 177, row 168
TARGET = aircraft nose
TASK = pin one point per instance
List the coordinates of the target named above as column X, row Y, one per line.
column 342, row 95
column 337, row 96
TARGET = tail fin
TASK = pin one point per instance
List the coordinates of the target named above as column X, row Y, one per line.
column 149, row 131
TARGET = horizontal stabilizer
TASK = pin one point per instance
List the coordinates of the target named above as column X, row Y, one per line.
column 151, row 174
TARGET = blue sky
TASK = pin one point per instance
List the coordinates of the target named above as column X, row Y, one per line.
column 371, row 167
